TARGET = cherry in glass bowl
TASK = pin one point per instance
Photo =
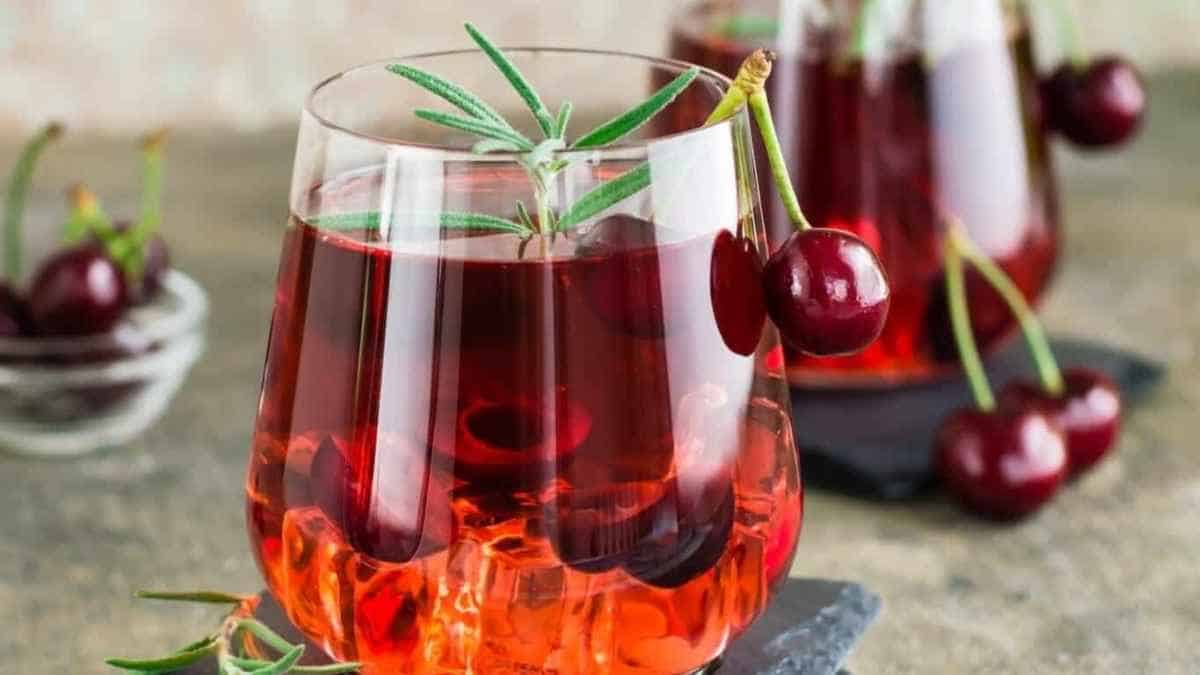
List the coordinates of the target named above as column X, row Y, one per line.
column 62, row 396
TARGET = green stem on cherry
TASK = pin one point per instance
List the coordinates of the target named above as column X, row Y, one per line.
column 18, row 191
column 761, row 109
column 960, row 322
column 1035, row 337
column 749, row 88
column 1068, row 33
column 861, row 28
column 152, row 169
column 86, row 217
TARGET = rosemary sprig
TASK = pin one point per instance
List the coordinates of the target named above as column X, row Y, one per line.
column 474, row 126
column 515, row 78
column 629, row 121
column 451, row 220
column 209, row 597
column 605, row 195
column 539, row 159
column 456, row 96
column 564, row 116
column 223, row 643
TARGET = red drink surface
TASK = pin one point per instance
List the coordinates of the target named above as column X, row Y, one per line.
column 874, row 147
column 473, row 454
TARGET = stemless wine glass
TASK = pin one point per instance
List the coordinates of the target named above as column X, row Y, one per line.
column 484, row 451
column 895, row 116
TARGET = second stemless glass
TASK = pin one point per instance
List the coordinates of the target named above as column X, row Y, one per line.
column 894, row 114
column 482, row 452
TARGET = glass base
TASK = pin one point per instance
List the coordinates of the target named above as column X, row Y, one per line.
column 707, row 669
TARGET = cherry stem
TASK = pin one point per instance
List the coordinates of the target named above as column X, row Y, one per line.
column 960, row 322
column 761, row 110
column 152, row 161
column 749, row 87
column 18, row 190
column 1035, row 337
column 861, row 29
column 1068, row 32
column 86, row 216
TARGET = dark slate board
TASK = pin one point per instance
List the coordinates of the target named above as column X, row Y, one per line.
column 877, row 443
column 809, row 629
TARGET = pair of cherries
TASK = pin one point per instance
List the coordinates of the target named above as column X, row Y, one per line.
column 1008, row 462
column 1008, row 456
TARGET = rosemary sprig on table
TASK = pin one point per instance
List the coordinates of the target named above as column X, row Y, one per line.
column 228, row 643
column 541, row 159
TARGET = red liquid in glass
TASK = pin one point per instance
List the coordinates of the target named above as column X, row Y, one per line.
column 481, row 456
column 876, row 147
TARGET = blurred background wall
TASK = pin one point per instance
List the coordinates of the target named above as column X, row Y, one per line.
column 124, row 65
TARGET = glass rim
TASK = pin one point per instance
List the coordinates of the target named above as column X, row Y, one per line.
column 450, row 152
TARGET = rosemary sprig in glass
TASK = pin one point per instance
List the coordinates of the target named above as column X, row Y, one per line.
column 541, row 159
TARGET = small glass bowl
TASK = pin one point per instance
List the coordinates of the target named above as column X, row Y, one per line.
column 61, row 397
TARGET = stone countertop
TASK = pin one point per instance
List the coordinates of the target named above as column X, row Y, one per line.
column 1104, row 580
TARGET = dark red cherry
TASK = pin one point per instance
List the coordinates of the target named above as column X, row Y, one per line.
column 1003, row 464
column 1088, row 411
column 77, row 291
column 738, row 304
column 390, row 504
column 513, row 439
column 1099, row 105
column 827, row 292
column 596, row 528
column 156, row 261
column 684, row 545
column 622, row 283
column 334, row 487
column 14, row 313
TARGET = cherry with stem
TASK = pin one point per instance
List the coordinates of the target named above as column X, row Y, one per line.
column 1093, row 102
column 1002, row 463
column 825, row 289
column 14, row 310
column 1085, row 404
column 18, row 190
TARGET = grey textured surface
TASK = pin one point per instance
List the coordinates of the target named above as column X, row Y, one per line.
column 1104, row 580
column 809, row 630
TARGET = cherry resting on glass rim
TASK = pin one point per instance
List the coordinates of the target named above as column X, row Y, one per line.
column 1002, row 465
column 1097, row 105
column 826, row 292
column 77, row 291
column 1088, row 412
column 412, row 470
column 872, row 147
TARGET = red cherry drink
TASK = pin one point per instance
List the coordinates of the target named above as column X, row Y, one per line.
column 480, row 453
column 884, row 148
